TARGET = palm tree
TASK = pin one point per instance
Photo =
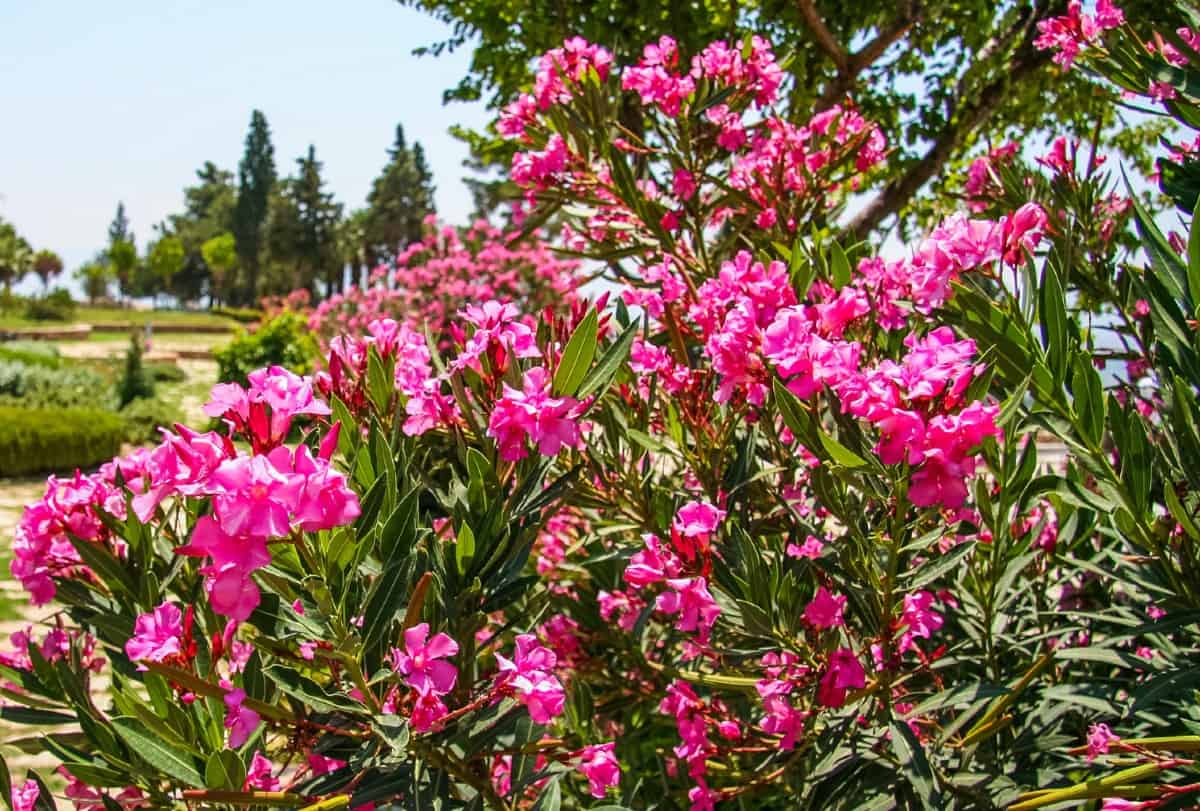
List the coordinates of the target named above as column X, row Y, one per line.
column 47, row 264
column 16, row 257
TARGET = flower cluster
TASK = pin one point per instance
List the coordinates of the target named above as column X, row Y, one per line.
column 1076, row 30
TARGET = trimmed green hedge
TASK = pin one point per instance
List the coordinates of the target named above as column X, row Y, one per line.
column 41, row 387
column 31, row 353
column 243, row 315
column 144, row 417
column 56, row 440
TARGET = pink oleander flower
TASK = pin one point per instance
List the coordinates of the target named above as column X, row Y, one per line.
column 25, row 796
column 1099, row 739
column 919, row 619
column 697, row 519
column 255, row 497
column 319, row 765
column 529, row 677
column 549, row 422
column 264, row 412
column 811, row 548
column 156, row 636
column 780, row 718
column 241, row 721
column 428, row 710
column 1022, row 231
column 845, row 672
column 1070, row 34
column 259, row 775
column 421, row 660
column 599, row 765
column 690, row 599
column 825, row 610
column 653, row 564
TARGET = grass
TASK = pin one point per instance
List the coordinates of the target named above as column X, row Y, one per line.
column 91, row 315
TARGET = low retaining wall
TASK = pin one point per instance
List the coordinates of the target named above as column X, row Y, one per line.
column 164, row 327
column 71, row 332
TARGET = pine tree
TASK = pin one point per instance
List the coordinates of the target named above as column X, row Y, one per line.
column 303, row 236
column 400, row 199
column 119, row 230
column 208, row 214
column 256, row 178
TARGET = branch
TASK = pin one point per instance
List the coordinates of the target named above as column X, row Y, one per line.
column 824, row 36
column 966, row 119
column 856, row 63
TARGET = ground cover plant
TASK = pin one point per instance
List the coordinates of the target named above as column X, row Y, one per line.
column 762, row 526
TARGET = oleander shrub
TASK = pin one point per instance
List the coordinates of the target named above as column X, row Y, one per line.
column 283, row 341
column 432, row 280
column 767, row 528
column 59, row 440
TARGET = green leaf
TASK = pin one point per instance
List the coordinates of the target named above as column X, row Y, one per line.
column 601, row 376
column 384, row 605
column 45, row 800
column 839, row 452
column 464, row 548
column 306, row 691
column 380, row 384
column 225, row 770
column 550, row 798
column 28, row 715
column 1052, row 314
column 177, row 764
column 577, row 356
column 5, row 784
column 105, row 564
column 936, row 566
column 914, row 765
column 839, row 267
column 1193, row 255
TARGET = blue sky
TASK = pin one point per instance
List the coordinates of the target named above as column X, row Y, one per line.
column 124, row 101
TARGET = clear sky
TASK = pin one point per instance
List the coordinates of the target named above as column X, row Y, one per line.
column 101, row 102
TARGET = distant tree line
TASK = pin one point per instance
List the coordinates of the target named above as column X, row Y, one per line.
column 252, row 234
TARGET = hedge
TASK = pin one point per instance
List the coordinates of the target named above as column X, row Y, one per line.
column 56, row 440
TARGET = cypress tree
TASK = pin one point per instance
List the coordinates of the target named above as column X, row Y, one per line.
column 256, row 178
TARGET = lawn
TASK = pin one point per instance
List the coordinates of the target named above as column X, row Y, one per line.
column 110, row 315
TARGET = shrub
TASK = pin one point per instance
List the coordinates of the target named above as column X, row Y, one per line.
column 39, row 440
column 783, row 540
column 243, row 315
column 449, row 269
column 31, row 353
column 164, row 371
column 37, row 386
column 54, row 306
column 143, row 418
column 283, row 341
column 135, row 383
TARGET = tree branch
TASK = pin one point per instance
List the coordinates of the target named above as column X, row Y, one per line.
column 856, row 63
column 824, row 37
column 966, row 118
